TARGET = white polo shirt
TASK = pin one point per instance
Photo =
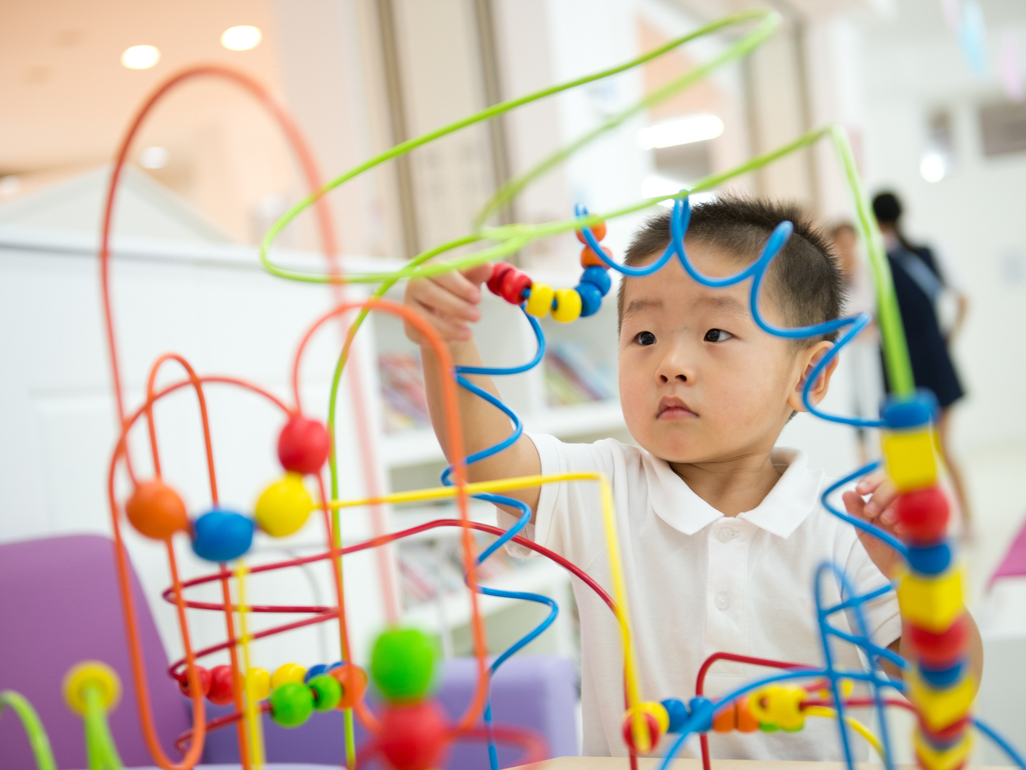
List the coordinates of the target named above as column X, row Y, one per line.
column 700, row 582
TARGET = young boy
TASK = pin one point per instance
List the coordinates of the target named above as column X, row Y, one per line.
column 721, row 533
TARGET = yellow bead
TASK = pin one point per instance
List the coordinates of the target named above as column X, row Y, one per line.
column 568, row 305
column 658, row 710
column 284, row 506
column 779, row 705
column 943, row 759
column 289, row 672
column 911, row 462
column 91, row 674
column 540, row 302
column 940, row 708
column 932, row 603
column 258, row 683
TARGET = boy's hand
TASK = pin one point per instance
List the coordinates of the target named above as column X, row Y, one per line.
column 879, row 510
column 449, row 302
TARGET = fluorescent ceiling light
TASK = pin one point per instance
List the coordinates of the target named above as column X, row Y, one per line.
column 241, row 38
column 933, row 167
column 153, row 157
column 670, row 133
column 140, row 57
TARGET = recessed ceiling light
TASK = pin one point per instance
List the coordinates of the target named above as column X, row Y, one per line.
column 241, row 38
column 933, row 167
column 153, row 157
column 140, row 57
column 685, row 130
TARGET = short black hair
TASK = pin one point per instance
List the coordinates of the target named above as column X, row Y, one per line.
column 805, row 279
column 887, row 208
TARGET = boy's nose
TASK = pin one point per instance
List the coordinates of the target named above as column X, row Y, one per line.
column 675, row 366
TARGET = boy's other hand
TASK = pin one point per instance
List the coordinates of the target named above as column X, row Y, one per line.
column 878, row 510
column 449, row 302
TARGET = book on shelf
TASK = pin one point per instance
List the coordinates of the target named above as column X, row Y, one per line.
column 572, row 376
column 402, row 392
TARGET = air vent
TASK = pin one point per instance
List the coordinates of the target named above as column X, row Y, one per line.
column 1003, row 128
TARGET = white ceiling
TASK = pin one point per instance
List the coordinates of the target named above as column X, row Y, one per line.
column 65, row 96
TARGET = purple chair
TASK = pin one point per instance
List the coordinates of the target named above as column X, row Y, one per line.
column 535, row 692
column 59, row 605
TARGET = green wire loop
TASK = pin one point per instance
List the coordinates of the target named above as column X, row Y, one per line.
column 100, row 748
column 34, row 729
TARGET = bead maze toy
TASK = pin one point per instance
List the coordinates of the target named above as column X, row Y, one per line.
column 410, row 732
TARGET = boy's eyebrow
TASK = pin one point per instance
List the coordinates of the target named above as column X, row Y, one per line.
column 725, row 301
column 636, row 305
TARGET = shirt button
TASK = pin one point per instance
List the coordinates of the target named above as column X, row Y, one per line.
column 726, row 535
column 722, row 601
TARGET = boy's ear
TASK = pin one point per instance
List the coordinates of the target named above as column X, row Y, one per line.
column 808, row 359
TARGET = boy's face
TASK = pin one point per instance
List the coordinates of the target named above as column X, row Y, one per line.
column 699, row 380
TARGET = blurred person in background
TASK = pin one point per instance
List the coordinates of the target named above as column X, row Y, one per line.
column 926, row 288
column 860, row 364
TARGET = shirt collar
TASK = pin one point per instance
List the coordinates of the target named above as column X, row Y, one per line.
column 788, row 504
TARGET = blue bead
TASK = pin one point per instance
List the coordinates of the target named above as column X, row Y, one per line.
column 597, row 276
column 591, row 298
column 931, row 560
column 335, row 665
column 313, row 671
column 220, row 535
column 701, row 714
column 678, row 714
column 910, row 412
column 942, row 678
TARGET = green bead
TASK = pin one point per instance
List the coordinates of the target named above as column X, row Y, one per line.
column 326, row 690
column 291, row 704
column 403, row 664
column 768, row 727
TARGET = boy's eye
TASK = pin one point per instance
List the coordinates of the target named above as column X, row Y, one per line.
column 717, row 335
column 645, row 338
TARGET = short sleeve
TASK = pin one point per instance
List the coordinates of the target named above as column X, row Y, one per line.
column 883, row 617
column 568, row 519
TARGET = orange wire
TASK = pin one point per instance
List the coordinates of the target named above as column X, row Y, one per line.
column 454, row 430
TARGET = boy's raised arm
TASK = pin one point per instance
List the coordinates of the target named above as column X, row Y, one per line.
column 450, row 303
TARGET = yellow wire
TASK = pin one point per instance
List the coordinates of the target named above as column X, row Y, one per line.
column 641, row 738
column 856, row 725
column 252, row 713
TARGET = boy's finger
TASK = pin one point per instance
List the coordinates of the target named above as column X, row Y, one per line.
column 869, row 484
column 853, row 503
column 449, row 328
column 885, row 494
column 456, row 283
column 479, row 273
column 444, row 302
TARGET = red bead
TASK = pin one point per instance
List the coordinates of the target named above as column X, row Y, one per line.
column 948, row 734
column 303, row 445
column 599, row 231
column 156, row 510
column 513, row 285
column 413, row 737
column 498, row 273
column 220, row 692
column 650, row 723
column 589, row 257
column 201, row 674
column 923, row 515
column 943, row 649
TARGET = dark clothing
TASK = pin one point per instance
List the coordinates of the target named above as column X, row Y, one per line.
column 917, row 291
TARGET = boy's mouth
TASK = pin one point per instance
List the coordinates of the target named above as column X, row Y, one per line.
column 673, row 408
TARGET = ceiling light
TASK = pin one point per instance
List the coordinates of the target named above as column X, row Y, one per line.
column 140, row 57
column 241, row 38
column 933, row 167
column 153, row 157
column 670, row 133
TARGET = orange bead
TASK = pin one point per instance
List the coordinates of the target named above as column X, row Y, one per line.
column 156, row 510
column 746, row 723
column 589, row 257
column 354, row 683
column 725, row 721
column 599, row 231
